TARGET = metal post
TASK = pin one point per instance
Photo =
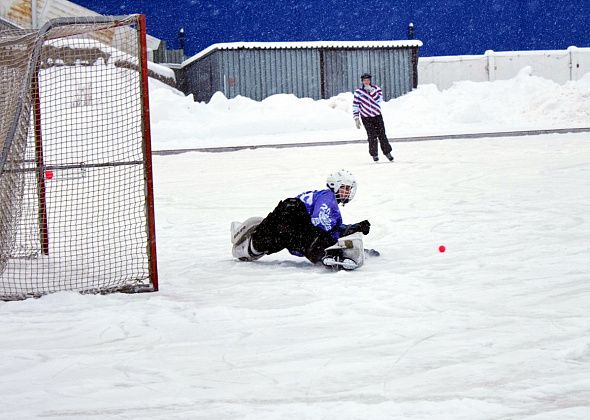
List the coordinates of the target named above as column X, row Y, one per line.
column 414, row 67
column 147, row 147
column 411, row 34
column 181, row 40
column 322, row 75
column 491, row 67
column 41, row 190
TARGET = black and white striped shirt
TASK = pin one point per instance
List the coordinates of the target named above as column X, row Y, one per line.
column 367, row 104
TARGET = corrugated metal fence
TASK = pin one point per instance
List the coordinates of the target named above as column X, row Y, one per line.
column 392, row 69
column 258, row 74
column 312, row 72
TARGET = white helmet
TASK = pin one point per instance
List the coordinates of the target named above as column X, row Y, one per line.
column 342, row 178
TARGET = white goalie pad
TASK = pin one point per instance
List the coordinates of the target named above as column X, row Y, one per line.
column 242, row 230
column 352, row 248
column 240, row 238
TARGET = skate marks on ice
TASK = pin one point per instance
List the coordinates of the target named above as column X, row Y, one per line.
column 496, row 327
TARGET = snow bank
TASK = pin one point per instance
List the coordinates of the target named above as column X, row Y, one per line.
column 524, row 102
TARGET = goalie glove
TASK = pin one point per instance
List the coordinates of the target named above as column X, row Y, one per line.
column 364, row 227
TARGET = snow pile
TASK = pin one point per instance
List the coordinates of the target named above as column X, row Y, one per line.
column 521, row 103
column 524, row 102
column 179, row 122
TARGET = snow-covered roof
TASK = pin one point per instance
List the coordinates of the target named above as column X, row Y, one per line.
column 304, row 44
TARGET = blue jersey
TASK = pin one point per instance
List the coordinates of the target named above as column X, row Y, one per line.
column 323, row 210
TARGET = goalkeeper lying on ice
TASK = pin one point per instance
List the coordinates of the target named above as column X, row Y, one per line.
column 309, row 225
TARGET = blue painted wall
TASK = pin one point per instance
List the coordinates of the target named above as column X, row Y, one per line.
column 447, row 27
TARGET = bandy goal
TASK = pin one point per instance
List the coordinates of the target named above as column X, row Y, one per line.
column 76, row 196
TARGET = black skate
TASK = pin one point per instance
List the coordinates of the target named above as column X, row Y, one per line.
column 336, row 261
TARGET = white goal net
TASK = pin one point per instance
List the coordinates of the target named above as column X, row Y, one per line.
column 76, row 202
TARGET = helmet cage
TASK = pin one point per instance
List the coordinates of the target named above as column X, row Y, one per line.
column 343, row 184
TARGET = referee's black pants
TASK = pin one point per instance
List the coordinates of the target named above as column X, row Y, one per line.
column 376, row 133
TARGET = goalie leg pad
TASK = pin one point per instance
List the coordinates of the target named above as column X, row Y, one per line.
column 241, row 238
column 347, row 253
column 244, row 251
column 241, row 231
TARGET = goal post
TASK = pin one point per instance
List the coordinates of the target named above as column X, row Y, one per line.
column 76, row 188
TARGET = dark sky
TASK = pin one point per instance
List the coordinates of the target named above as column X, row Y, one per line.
column 447, row 27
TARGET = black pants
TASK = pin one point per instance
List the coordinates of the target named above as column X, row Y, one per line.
column 289, row 226
column 376, row 132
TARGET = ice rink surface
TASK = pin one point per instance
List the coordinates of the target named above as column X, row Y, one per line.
column 497, row 327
